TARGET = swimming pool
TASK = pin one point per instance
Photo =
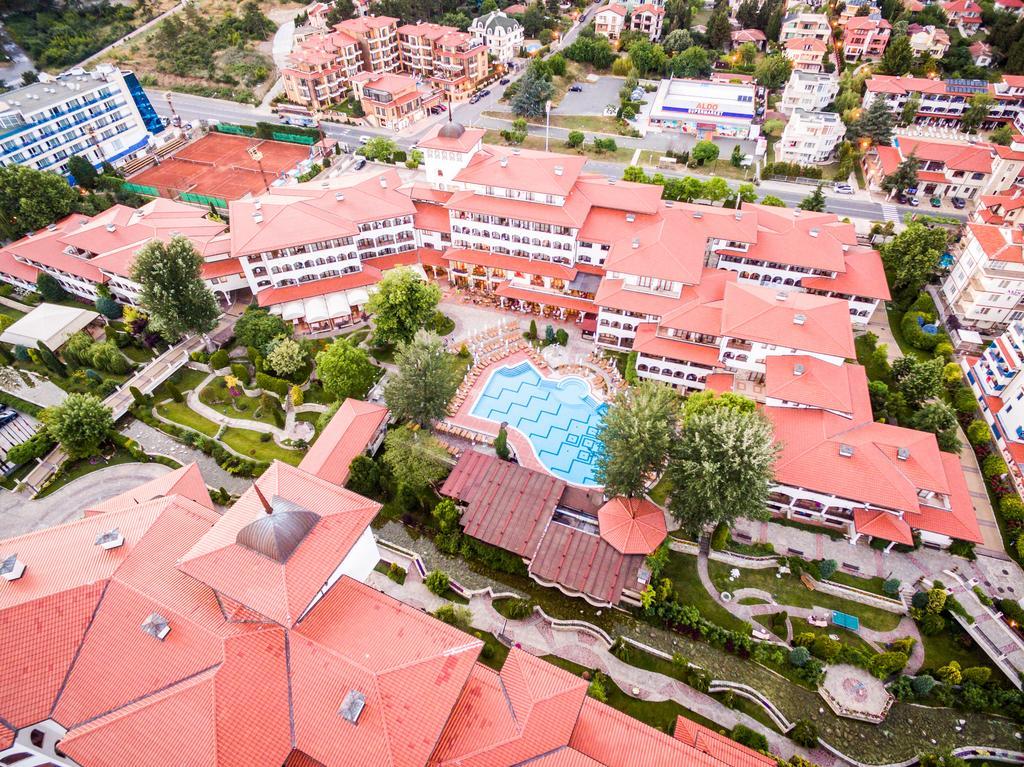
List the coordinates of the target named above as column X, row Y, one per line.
column 560, row 418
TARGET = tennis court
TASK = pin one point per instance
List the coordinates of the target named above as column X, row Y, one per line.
column 219, row 165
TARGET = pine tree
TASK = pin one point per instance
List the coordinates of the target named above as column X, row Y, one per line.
column 534, row 92
column 875, row 124
column 719, row 31
column 904, row 177
column 898, row 57
column 815, row 201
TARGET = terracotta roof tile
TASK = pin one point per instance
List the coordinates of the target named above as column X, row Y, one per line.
column 187, row 481
column 346, row 436
column 722, row 749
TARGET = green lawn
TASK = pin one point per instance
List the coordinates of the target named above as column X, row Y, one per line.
column 216, row 395
column 752, row 601
column 746, row 706
column 800, row 626
column 873, row 585
column 682, row 571
column 940, row 649
column 659, row 493
column 248, row 443
column 789, row 590
column 181, row 413
column 315, row 394
column 309, row 418
column 895, row 318
column 10, row 312
column 135, row 354
column 72, row 470
column 185, row 379
column 622, row 154
column 383, row 353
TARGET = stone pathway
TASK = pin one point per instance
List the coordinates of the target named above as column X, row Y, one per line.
column 155, row 441
column 19, row 515
column 34, row 388
column 293, row 429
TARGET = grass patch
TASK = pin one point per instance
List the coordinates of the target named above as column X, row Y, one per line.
column 135, row 354
column 315, row 394
column 789, row 590
column 800, row 626
column 659, row 493
column 73, row 470
column 745, row 706
column 310, row 417
column 182, row 414
column 494, row 652
column 215, row 395
column 453, row 596
column 383, row 353
column 807, row 527
column 895, row 317
column 752, row 601
column 621, row 155
column 248, row 443
column 11, row 312
column 873, row 584
column 185, row 379
column 940, row 649
column 682, row 571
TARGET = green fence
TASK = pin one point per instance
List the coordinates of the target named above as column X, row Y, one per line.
column 293, row 138
column 151, row 191
column 203, row 199
column 235, row 130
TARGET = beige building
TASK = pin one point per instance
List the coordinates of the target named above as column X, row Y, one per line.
column 930, row 40
column 454, row 62
column 377, row 37
column 809, row 91
column 805, row 53
column 810, row 138
column 805, row 25
column 610, row 20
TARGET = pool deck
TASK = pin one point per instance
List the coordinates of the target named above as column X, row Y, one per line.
column 522, row 446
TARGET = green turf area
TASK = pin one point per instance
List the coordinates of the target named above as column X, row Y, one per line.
column 752, row 601
column 215, row 395
column 309, row 418
column 940, row 649
column 682, row 571
column 185, row 379
column 72, row 470
column 11, row 312
column 872, row 585
column 744, row 705
column 800, row 626
column 789, row 590
column 659, row 493
column 135, row 354
column 181, row 413
column 248, row 443
column 895, row 319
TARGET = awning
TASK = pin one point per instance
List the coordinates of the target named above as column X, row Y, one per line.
column 589, row 325
column 293, row 310
column 316, row 309
column 546, row 299
column 585, row 283
column 337, row 305
column 357, row 296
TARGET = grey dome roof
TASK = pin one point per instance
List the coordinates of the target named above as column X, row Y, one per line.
column 278, row 533
column 451, row 130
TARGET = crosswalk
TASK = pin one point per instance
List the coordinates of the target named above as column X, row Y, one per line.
column 891, row 213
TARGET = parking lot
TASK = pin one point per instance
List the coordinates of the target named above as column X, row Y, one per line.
column 594, row 97
column 16, row 432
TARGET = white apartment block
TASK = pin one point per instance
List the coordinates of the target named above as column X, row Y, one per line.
column 97, row 115
column 810, row 138
column 985, row 287
column 802, row 24
column 502, row 35
column 808, row 91
column 610, row 20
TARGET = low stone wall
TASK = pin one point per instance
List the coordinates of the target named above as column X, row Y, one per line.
column 861, row 596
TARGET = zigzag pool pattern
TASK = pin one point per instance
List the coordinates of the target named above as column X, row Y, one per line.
column 560, row 418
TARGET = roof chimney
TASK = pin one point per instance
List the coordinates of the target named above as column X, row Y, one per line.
column 383, row 182
column 846, row 451
column 352, row 706
column 636, row 243
column 258, row 204
column 813, row 232
column 796, row 212
column 111, row 539
column 339, row 196
column 111, row 227
column 738, row 215
column 698, row 214
column 630, row 217
column 504, row 161
column 799, row 319
column 12, row 568
column 903, row 453
column 559, row 170
column 257, row 217
column 798, row 370
column 156, row 626
column 781, row 295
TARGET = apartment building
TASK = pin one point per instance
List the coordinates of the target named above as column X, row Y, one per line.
column 102, row 115
column 809, row 91
column 320, row 69
column 803, row 24
column 985, row 286
column 1002, row 208
column 806, row 53
column 947, row 168
column 454, row 62
column 610, row 20
column 865, row 38
column 377, row 37
column 997, row 378
column 810, row 138
column 647, row 19
column 83, row 252
column 964, row 14
column 392, row 100
column 857, row 8
column 928, row 40
column 502, row 35
column 942, row 102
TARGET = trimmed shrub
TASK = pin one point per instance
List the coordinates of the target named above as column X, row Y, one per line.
column 36, row 446
column 276, row 385
column 922, row 685
column 747, row 737
column 108, row 307
column 799, row 656
column 175, row 392
column 891, row 587
column 295, row 395
column 437, row 581
column 915, row 335
column 501, row 444
column 561, row 337
column 827, row 568
column 720, row 538
column 932, row 624
column 978, row 432
column 887, row 663
column 978, row 675
column 993, row 466
column 219, row 359
column 1011, row 508
column 241, row 372
column 805, row 733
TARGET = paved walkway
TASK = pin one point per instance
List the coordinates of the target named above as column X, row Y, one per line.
column 19, row 515
column 155, row 441
column 33, row 388
column 293, row 429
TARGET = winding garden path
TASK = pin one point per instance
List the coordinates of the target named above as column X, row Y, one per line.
column 293, row 429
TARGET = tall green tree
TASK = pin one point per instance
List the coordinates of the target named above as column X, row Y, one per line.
column 898, row 57
column 875, row 123
column 918, row 381
column 677, row 41
column 424, row 384
column 31, row 200
column 402, row 304
column 173, row 291
column 904, row 177
column 80, row 424
column 256, row 328
column 724, row 458
column 637, row 433
column 909, row 111
column 694, row 62
column 49, row 288
column 940, row 420
column 773, row 71
column 746, row 14
column 815, row 201
column 345, row 370
column 719, row 30
column 976, row 112
column 83, row 171
column 535, row 89
column 912, row 255
column 647, row 58
column 415, row 457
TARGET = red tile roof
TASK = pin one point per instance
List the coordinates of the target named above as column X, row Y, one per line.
column 524, row 169
column 348, row 434
column 648, row 342
column 882, row 524
column 368, row 275
column 514, row 264
column 632, row 525
column 722, row 749
column 225, row 267
column 863, row 276
column 15, row 268
column 548, row 299
column 432, row 217
column 810, row 381
column 187, row 481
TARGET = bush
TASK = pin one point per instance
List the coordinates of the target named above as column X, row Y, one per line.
column 454, row 615
column 922, row 685
column 805, row 733
column 932, row 624
column 38, row 445
column 826, row 648
column 747, row 737
column 276, row 385
column 720, row 538
column 1011, row 508
column 241, row 372
column 915, row 335
column 919, row 600
column 799, row 656
column 904, row 645
column 964, row 402
column 175, row 392
column 978, row 675
column 501, row 444
column 437, row 581
column 963, row 549
column 887, row 663
column 891, row 587
column 517, row 609
column 108, row 307
column 596, row 690
column 295, row 395
column 827, row 568
column 363, row 476
column 944, row 349
column 1011, row 609
column 561, row 337
column 993, row 466
column 219, row 360
column 978, row 432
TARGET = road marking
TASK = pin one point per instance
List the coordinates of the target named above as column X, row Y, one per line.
column 890, row 213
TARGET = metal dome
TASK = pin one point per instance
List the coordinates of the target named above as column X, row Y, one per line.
column 279, row 532
column 451, row 130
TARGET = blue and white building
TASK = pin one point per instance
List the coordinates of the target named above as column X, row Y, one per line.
column 103, row 115
column 701, row 108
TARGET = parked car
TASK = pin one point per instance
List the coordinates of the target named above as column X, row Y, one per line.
column 360, row 163
column 959, row 203
column 364, row 140
column 842, row 189
column 902, row 199
column 914, row 202
column 484, row 92
column 576, row 88
column 504, row 81
column 7, row 417
column 935, row 202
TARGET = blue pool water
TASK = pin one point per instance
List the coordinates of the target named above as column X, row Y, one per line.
column 560, row 418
